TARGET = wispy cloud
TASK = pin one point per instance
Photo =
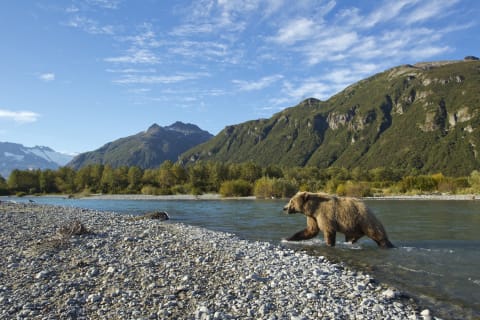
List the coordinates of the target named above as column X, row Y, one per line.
column 310, row 87
column 264, row 82
column 159, row 79
column 308, row 48
column 47, row 77
column 430, row 10
column 347, row 36
column 132, row 70
column 385, row 12
column 295, row 30
column 204, row 50
column 107, row 4
column 19, row 116
column 136, row 56
column 89, row 25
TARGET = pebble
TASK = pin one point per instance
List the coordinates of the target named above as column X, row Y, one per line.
column 152, row 269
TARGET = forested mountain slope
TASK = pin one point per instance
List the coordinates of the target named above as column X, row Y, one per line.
column 146, row 149
column 422, row 117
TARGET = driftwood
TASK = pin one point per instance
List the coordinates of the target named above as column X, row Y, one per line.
column 74, row 228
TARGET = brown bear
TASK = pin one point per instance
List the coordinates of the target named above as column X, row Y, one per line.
column 330, row 214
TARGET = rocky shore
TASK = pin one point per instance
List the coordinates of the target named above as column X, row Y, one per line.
column 69, row 263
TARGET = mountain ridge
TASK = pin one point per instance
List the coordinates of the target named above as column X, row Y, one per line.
column 17, row 156
column 146, row 149
column 421, row 118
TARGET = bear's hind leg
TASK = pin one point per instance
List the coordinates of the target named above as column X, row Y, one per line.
column 309, row 232
column 329, row 237
column 353, row 237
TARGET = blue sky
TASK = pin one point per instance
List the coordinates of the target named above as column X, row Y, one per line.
column 77, row 74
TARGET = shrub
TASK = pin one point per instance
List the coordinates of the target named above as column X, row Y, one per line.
column 421, row 183
column 149, row 190
column 236, row 188
column 274, row 188
column 354, row 189
column 474, row 180
column 332, row 185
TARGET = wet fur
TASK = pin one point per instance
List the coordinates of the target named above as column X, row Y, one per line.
column 330, row 214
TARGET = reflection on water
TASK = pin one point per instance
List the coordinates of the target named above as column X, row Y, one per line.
column 436, row 258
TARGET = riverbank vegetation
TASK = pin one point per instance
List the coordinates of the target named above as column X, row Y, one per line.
column 232, row 179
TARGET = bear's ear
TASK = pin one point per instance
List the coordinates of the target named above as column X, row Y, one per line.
column 305, row 196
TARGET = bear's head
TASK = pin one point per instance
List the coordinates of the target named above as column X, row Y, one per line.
column 295, row 205
column 303, row 202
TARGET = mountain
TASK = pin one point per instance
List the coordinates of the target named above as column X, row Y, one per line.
column 16, row 156
column 146, row 149
column 423, row 118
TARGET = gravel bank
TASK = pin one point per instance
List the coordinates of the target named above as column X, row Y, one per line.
column 149, row 269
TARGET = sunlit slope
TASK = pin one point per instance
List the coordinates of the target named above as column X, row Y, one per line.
column 422, row 117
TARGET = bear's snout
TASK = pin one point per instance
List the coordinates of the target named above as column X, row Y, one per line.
column 289, row 209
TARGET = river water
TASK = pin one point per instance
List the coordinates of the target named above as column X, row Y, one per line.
column 436, row 261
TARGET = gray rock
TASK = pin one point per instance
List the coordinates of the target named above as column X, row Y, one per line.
column 147, row 269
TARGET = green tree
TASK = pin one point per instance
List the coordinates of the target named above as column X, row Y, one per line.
column 83, row 179
column 96, row 173
column 3, row 186
column 251, row 172
column 135, row 175
column 107, row 181
column 65, row 180
column 198, row 178
column 273, row 171
column 149, row 177
column 218, row 173
column 338, row 173
column 165, row 177
column 24, row 181
column 180, row 173
column 47, row 181
column 120, row 176
column 359, row 174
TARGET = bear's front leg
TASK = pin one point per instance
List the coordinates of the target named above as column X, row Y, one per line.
column 309, row 232
column 329, row 237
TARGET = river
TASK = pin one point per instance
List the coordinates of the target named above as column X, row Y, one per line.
column 436, row 261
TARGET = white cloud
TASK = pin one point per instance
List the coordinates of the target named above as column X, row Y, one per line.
column 47, row 77
column 396, row 31
column 257, row 85
column 387, row 11
column 132, row 70
column 200, row 49
column 430, row 9
column 136, row 56
column 145, row 38
column 158, row 79
column 311, row 87
column 89, row 25
column 72, row 9
column 332, row 46
column 19, row 116
column 106, row 4
column 295, row 30
column 140, row 90
column 191, row 29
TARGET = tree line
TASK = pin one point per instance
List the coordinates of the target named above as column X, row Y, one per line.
column 232, row 179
